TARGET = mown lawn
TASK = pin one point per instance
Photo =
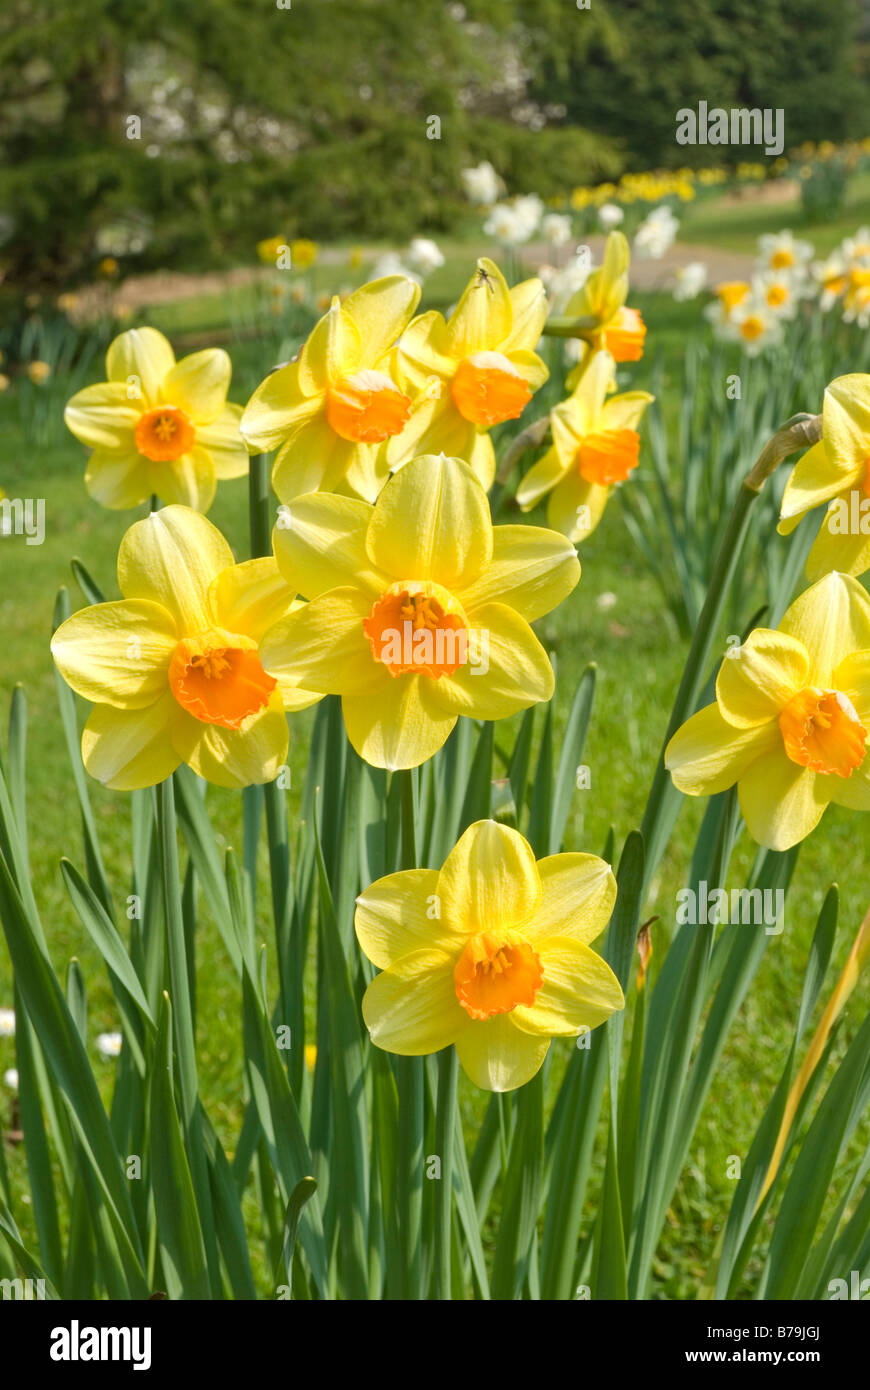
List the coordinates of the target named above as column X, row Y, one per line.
column 615, row 618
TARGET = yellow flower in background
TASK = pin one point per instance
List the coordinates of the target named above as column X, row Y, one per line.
column 836, row 470
column 332, row 409
column 595, row 446
column 471, row 372
column 269, row 249
column 158, row 426
column 620, row 331
column 303, row 253
column 790, row 720
column 419, row 610
column 173, row 669
column 108, row 267
column 38, row 372
column 490, row 953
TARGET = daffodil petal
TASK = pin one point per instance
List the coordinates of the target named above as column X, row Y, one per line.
column 577, row 898
column 781, row 801
column 529, row 314
column 846, row 421
column 140, row 357
column 322, row 646
column 250, row 755
column 401, row 726
column 757, row 679
column 483, row 318
column 498, row 1056
column 277, row 408
column 488, row 880
column 831, row 619
column 432, row 521
column 507, row 669
column 130, row 749
column 313, row 457
column 579, row 990
column 171, row 558
column 394, row 916
column 199, row 383
column 332, row 350
column 541, row 478
column 320, row 544
column 367, row 471
column 116, row 653
column 251, row 597
column 103, row 416
column 532, row 571
column 380, row 311
column 411, row 1008
column 852, row 679
column 188, row 481
column 424, row 352
column 707, row 754
column 481, row 459
column 847, row 551
column 117, row 480
column 223, row 441
column 532, row 368
column 576, row 507
column 816, row 478
column 624, row 412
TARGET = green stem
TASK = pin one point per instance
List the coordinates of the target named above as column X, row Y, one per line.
column 445, row 1135
column 410, row 1081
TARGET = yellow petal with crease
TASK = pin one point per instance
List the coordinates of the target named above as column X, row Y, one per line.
column 507, row 668
column 541, row 478
column 483, row 318
column 816, row 478
column 320, row 544
column 116, row 479
column 277, row 407
column 577, row 898
column 171, row 558
column 498, row 1056
column 130, row 749
column 432, row 521
column 757, row 679
column 313, row 457
column 322, row 646
column 831, row 619
column 847, row 551
column 576, row 507
column 412, row 1009
column 198, row 384
column 142, row 357
column 400, row 726
column 380, row 311
column 488, row 880
column 532, row 570
column 117, row 653
column 781, row 801
column 188, row 481
column 251, row 597
column 579, row 990
column 223, row 441
column 103, row 416
column 394, row 917
column 707, row 754
column 333, row 349
column 248, row 756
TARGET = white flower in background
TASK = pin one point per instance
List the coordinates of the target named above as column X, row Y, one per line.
column 109, row 1044
column 126, row 237
column 780, row 290
column 482, row 184
column 689, row 280
column 606, row 601
column 556, row 227
column 425, row 255
column 506, row 225
column 656, row 233
column 7, row 1023
column 391, row 264
column 831, row 278
column 610, row 215
column 10, row 1079
column 780, row 251
column 754, row 325
column 564, row 282
column 857, row 248
column 572, row 350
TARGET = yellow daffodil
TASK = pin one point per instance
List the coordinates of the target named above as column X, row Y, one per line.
column 595, row 445
column 836, row 470
column 38, row 372
column 420, row 608
column 790, row 720
column 303, row 253
column 269, row 250
column 334, row 407
column 490, row 953
column 472, row 371
column 619, row 330
column 173, row 669
column 158, row 426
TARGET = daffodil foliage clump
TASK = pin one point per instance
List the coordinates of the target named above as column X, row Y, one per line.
column 429, row 934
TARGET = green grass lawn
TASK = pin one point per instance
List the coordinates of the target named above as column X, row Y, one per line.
column 639, row 656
